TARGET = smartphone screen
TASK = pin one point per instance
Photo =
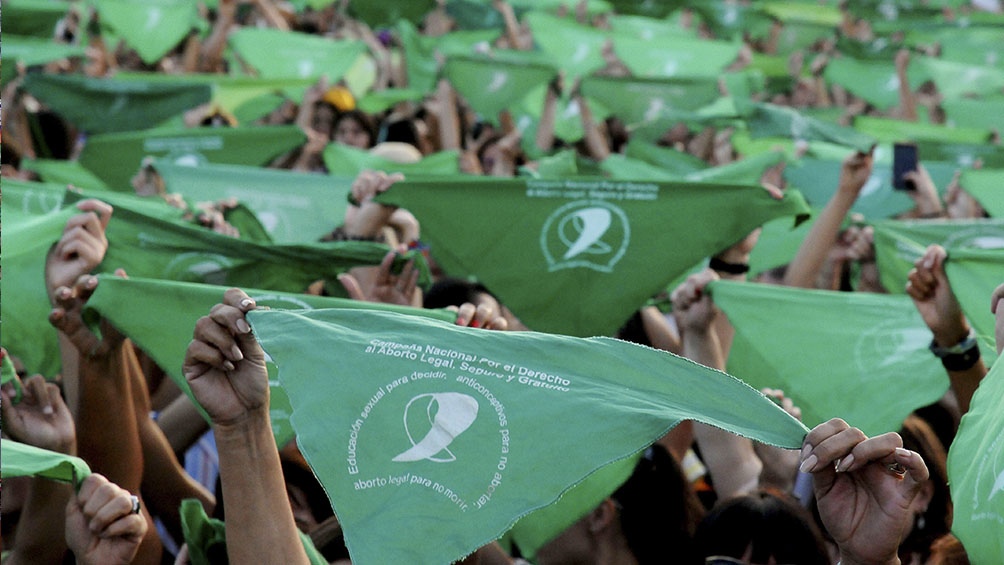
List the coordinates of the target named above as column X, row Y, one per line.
column 904, row 160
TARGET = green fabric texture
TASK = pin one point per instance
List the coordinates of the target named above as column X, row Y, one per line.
column 28, row 232
column 426, row 427
column 105, row 105
column 293, row 207
column 165, row 336
column 974, row 274
column 36, row 18
column 898, row 244
column 674, row 55
column 207, row 537
column 151, row 27
column 149, row 246
column 767, row 120
column 818, row 179
column 387, row 12
column 419, row 60
column 976, row 472
column 32, row 51
column 578, row 47
column 872, row 344
column 979, row 113
column 9, row 375
column 888, row 130
column 874, row 81
column 659, row 102
column 958, row 80
column 275, row 53
column 63, row 172
column 349, row 161
column 493, row 84
column 778, row 243
column 230, row 92
column 23, row 460
column 534, row 530
column 558, row 245
column 987, row 187
column 115, row 157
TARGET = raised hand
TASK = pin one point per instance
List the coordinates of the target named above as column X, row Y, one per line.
column 103, row 526
column 864, row 489
column 928, row 286
column 81, row 248
column 692, row 306
column 382, row 285
column 41, row 418
column 224, row 365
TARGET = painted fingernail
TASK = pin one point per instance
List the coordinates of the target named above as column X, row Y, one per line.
column 808, row 464
column 845, row 463
column 475, row 324
column 228, row 365
column 243, row 326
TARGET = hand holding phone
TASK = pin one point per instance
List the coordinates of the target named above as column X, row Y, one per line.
column 904, row 160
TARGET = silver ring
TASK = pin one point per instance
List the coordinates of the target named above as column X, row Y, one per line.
column 135, row 503
column 896, row 469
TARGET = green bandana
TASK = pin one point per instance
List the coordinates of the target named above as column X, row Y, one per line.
column 63, row 173
column 767, row 120
column 109, row 105
column 349, row 161
column 562, row 244
column 578, row 47
column 207, row 537
column 151, row 27
column 284, row 54
column 976, row 472
column 23, row 460
column 115, row 157
column 32, row 222
column 293, row 207
column 834, row 342
column 32, row 51
column 162, row 326
column 431, row 439
column 985, row 185
column 493, row 84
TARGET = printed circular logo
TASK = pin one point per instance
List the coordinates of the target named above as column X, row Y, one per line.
column 432, row 421
column 586, row 233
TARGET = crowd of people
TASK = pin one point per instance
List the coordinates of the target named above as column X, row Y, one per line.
column 698, row 494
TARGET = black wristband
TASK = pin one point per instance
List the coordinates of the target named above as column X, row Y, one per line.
column 962, row 361
column 717, row 264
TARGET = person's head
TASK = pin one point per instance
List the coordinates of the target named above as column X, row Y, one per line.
column 353, row 128
column 759, row 528
column 649, row 518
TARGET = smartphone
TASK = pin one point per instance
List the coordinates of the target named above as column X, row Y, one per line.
column 904, row 160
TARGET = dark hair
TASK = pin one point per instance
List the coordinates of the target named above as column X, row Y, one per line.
column 451, row 291
column 769, row 522
column 918, row 436
column 659, row 510
column 633, row 330
column 362, row 118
